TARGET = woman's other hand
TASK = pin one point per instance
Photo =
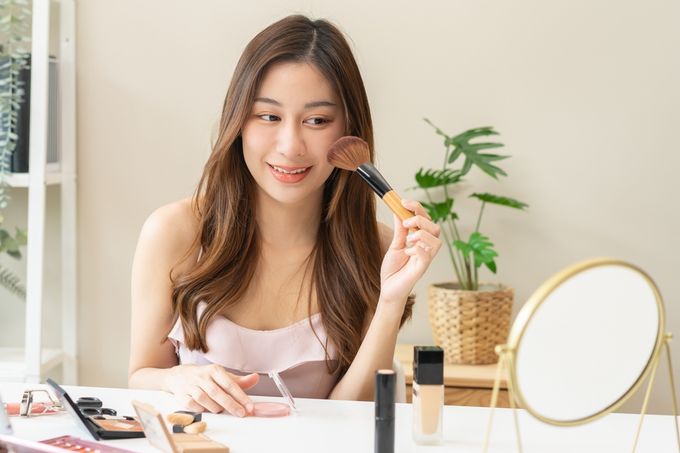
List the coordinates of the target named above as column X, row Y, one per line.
column 211, row 388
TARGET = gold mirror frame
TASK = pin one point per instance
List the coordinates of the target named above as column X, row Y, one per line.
column 507, row 355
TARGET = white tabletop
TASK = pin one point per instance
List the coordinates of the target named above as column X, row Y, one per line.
column 347, row 426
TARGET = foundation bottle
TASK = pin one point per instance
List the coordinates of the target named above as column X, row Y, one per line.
column 428, row 394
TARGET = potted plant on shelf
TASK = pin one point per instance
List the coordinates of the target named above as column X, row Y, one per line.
column 15, row 20
column 468, row 318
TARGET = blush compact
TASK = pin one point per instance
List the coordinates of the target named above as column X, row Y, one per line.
column 267, row 409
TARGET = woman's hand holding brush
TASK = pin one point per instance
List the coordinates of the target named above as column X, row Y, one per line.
column 416, row 238
column 409, row 254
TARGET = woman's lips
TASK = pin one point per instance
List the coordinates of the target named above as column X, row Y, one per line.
column 288, row 174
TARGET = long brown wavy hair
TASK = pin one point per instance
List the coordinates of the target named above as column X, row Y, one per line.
column 345, row 262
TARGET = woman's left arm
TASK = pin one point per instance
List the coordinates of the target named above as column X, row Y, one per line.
column 406, row 260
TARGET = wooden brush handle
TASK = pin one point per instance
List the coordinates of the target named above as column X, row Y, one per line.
column 393, row 202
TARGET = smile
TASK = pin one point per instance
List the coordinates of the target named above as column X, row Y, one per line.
column 289, row 171
column 289, row 175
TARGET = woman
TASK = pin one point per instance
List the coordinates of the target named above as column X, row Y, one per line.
column 277, row 263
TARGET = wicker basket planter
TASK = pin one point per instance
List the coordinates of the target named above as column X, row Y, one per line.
column 469, row 324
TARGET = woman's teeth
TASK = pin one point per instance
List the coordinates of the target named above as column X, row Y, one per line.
column 289, row 172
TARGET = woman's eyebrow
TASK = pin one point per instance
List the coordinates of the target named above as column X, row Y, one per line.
column 268, row 101
column 309, row 105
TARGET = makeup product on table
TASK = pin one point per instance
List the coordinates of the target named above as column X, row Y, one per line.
column 161, row 438
column 102, row 425
column 428, row 394
column 186, row 422
column 272, row 409
column 34, row 402
column 385, row 387
column 71, row 443
column 11, row 443
column 56, row 445
column 352, row 153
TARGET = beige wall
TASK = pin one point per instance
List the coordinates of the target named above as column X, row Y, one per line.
column 585, row 94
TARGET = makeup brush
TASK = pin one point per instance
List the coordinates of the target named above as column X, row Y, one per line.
column 352, row 153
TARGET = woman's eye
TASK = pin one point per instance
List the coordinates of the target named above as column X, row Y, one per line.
column 317, row 121
column 269, row 117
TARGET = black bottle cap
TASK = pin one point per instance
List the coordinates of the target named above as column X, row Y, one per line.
column 428, row 365
column 385, row 386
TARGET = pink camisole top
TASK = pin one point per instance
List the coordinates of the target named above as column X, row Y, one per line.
column 294, row 352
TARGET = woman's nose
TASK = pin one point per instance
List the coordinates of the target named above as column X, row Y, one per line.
column 290, row 142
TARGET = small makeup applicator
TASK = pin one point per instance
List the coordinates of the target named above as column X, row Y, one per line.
column 352, row 153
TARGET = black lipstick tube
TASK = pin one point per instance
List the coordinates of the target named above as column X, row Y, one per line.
column 385, row 381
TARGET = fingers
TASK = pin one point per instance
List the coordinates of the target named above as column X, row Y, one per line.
column 248, row 381
column 200, row 396
column 188, row 403
column 422, row 223
column 399, row 236
column 424, row 240
column 212, row 388
column 239, row 403
column 416, row 208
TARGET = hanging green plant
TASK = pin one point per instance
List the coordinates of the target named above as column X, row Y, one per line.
column 15, row 30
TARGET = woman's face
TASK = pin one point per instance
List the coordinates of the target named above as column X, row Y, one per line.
column 295, row 118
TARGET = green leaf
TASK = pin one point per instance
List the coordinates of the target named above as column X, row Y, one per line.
column 16, row 254
column 11, row 245
column 21, row 236
column 480, row 146
column 482, row 249
column 474, row 133
column 457, row 152
column 435, row 178
column 11, row 282
column 440, row 211
column 466, row 166
column 497, row 199
column 462, row 246
column 462, row 146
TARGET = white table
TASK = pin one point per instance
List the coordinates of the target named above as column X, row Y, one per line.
column 347, row 427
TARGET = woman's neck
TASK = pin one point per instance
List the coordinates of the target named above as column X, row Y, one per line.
column 286, row 225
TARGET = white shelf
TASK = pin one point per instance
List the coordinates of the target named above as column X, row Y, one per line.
column 22, row 179
column 13, row 362
column 28, row 364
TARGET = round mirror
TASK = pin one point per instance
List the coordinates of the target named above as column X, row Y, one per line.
column 584, row 341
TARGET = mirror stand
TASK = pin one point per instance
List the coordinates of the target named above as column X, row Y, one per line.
column 667, row 347
column 506, row 354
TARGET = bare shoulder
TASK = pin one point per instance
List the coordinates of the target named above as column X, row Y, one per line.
column 386, row 234
column 173, row 221
column 169, row 231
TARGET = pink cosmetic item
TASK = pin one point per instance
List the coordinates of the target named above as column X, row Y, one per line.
column 283, row 389
column 265, row 409
column 270, row 409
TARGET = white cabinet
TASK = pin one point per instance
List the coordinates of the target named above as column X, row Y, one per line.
column 30, row 363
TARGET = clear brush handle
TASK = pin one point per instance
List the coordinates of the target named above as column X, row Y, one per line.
column 283, row 389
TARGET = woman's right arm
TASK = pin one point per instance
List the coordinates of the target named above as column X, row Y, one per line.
column 165, row 237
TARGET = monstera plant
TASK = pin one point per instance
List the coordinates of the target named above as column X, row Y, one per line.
column 468, row 318
column 467, row 252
